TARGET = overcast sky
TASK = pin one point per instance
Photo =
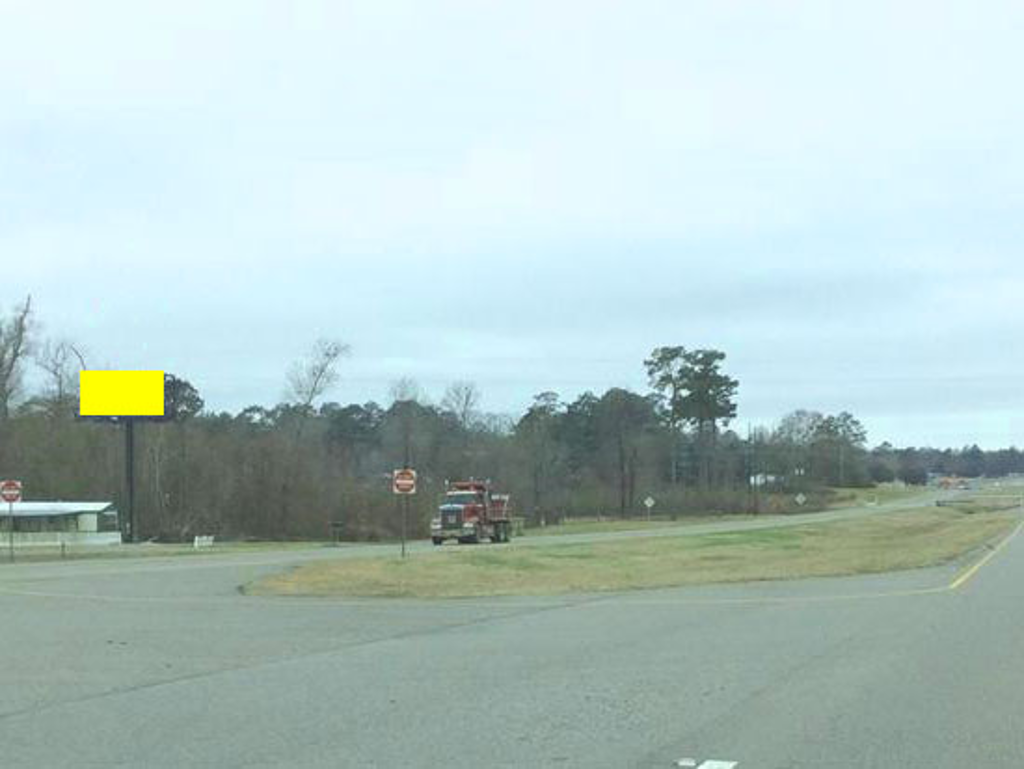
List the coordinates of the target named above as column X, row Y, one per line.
column 530, row 196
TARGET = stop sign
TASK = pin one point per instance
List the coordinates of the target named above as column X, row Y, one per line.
column 404, row 481
column 10, row 491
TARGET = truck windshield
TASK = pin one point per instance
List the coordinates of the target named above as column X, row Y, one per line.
column 461, row 498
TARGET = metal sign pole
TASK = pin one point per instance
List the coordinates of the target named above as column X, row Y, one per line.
column 10, row 529
column 403, row 483
column 405, row 515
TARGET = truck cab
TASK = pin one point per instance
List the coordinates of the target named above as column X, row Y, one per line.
column 470, row 512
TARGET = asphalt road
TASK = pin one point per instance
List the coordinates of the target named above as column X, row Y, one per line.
column 161, row 662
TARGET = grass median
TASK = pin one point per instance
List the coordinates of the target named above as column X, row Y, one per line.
column 905, row 540
column 596, row 526
column 881, row 494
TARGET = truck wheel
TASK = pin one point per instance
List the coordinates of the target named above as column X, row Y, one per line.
column 438, row 540
column 504, row 533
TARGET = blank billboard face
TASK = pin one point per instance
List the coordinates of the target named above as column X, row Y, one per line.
column 121, row 393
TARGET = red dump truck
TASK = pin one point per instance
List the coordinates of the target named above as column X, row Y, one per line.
column 471, row 512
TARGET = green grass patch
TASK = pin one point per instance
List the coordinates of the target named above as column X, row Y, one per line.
column 909, row 539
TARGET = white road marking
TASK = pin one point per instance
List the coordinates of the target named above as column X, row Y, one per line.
column 711, row 763
column 689, row 763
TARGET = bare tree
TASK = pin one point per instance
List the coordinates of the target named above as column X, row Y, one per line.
column 15, row 345
column 61, row 361
column 406, row 395
column 536, row 434
column 310, row 379
column 798, row 427
column 462, row 399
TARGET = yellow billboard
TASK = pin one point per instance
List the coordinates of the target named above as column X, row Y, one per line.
column 121, row 393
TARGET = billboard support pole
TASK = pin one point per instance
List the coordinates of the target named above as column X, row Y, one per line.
column 129, row 475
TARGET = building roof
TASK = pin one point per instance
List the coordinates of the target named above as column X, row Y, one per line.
column 43, row 509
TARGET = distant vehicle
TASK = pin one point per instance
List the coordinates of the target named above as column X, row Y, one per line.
column 471, row 512
column 963, row 486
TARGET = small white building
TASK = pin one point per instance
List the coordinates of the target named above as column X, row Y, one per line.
column 50, row 523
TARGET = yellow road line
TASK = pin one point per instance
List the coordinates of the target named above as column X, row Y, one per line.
column 771, row 600
column 962, row 580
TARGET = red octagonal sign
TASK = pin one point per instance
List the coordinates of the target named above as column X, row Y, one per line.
column 10, row 491
column 404, row 481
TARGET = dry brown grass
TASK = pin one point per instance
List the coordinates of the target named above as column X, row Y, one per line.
column 595, row 526
column 910, row 539
column 881, row 494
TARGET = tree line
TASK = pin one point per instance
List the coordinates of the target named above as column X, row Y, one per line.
column 314, row 467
